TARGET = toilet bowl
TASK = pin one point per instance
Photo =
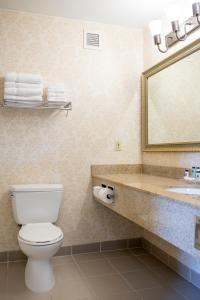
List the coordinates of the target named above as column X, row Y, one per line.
column 39, row 242
column 36, row 208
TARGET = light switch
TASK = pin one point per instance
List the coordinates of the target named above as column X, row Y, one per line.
column 118, row 145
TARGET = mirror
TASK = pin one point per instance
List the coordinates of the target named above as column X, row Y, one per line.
column 171, row 102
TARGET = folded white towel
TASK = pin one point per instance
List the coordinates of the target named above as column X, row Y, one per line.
column 56, row 98
column 56, row 94
column 20, row 98
column 56, row 104
column 23, row 78
column 59, row 87
column 23, row 92
column 23, row 85
column 11, row 104
column 23, row 101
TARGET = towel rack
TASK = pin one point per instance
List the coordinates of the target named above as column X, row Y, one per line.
column 67, row 106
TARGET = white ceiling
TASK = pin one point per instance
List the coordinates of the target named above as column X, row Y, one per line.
column 122, row 12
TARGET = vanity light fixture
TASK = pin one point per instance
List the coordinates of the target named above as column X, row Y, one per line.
column 180, row 30
column 196, row 11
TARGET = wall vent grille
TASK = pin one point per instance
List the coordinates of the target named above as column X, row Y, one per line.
column 92, row 40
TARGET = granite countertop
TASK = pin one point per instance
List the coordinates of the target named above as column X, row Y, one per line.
column 155, row 185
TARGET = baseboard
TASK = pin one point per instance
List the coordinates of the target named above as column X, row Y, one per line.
column 17, row 255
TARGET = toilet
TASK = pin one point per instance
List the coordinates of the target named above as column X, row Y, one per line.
column 36, row 209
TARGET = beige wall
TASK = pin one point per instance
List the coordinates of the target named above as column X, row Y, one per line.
column 152, row 56
column 44, row 146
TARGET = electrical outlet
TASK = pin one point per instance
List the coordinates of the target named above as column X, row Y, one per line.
column 118, row 145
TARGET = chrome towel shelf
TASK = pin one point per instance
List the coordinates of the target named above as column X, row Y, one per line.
column 67, row 106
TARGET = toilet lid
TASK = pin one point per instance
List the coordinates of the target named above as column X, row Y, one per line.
column 40, row 233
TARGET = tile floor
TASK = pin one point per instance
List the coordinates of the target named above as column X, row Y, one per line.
column 115, row 275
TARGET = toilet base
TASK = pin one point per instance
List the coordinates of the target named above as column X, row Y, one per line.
column 39, row 276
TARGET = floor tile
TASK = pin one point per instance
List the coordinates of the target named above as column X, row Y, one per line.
column 186, row 289
column 166, row 276
column 141, row 279
column 60, row 260
column 16, row 289
column 150, row 261
column 66, row 271
column 70, row 284
column 126, row 263
column 3, row 275
column 116, row 253
column 105, row 286
column 95, row 276
column 160, row 294
column 172, row 280
column 96, row 267
column 124, row 296
column 88, row 256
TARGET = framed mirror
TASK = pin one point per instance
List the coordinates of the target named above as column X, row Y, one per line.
column 171, row 102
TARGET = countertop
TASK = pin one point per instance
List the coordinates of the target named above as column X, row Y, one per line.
column 155, row 185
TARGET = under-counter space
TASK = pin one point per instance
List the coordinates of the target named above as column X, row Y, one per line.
column 142, row 199
column 156, row 185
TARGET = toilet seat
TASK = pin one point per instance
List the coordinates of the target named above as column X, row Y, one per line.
column 40, row 234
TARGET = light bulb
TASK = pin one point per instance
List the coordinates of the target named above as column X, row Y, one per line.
column 155, row 27
column 196, row 9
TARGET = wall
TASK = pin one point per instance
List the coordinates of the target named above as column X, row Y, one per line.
column 50, row 147
column 152, row 56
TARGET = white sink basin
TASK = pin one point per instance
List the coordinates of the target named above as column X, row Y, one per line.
column 184, row 190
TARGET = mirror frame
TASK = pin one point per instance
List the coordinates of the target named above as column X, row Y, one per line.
column 174, row 147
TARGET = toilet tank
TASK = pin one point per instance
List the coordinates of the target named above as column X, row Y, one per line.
column 36, row 203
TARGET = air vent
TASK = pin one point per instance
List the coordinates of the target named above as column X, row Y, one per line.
column 92, row 40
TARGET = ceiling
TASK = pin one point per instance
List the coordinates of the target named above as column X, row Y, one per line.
column 122, row 12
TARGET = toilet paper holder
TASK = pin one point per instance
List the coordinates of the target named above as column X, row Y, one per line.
column 109, row 196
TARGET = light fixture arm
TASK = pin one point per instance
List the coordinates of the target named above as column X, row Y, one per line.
column 184, row 37
column 157, row 42
column 166, row 46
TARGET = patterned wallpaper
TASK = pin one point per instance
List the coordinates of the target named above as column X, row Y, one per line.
column 50, row 147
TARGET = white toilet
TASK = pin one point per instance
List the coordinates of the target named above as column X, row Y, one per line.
column 36, row 208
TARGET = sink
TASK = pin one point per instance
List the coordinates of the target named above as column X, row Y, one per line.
column 184, row 190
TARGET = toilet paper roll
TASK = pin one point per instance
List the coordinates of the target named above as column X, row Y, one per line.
column 106, row 195
column 96, row 190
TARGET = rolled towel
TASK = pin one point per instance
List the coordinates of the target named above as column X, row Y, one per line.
column 23, row 85
column 23, row 78
column 23, row 92
column 20, row 98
